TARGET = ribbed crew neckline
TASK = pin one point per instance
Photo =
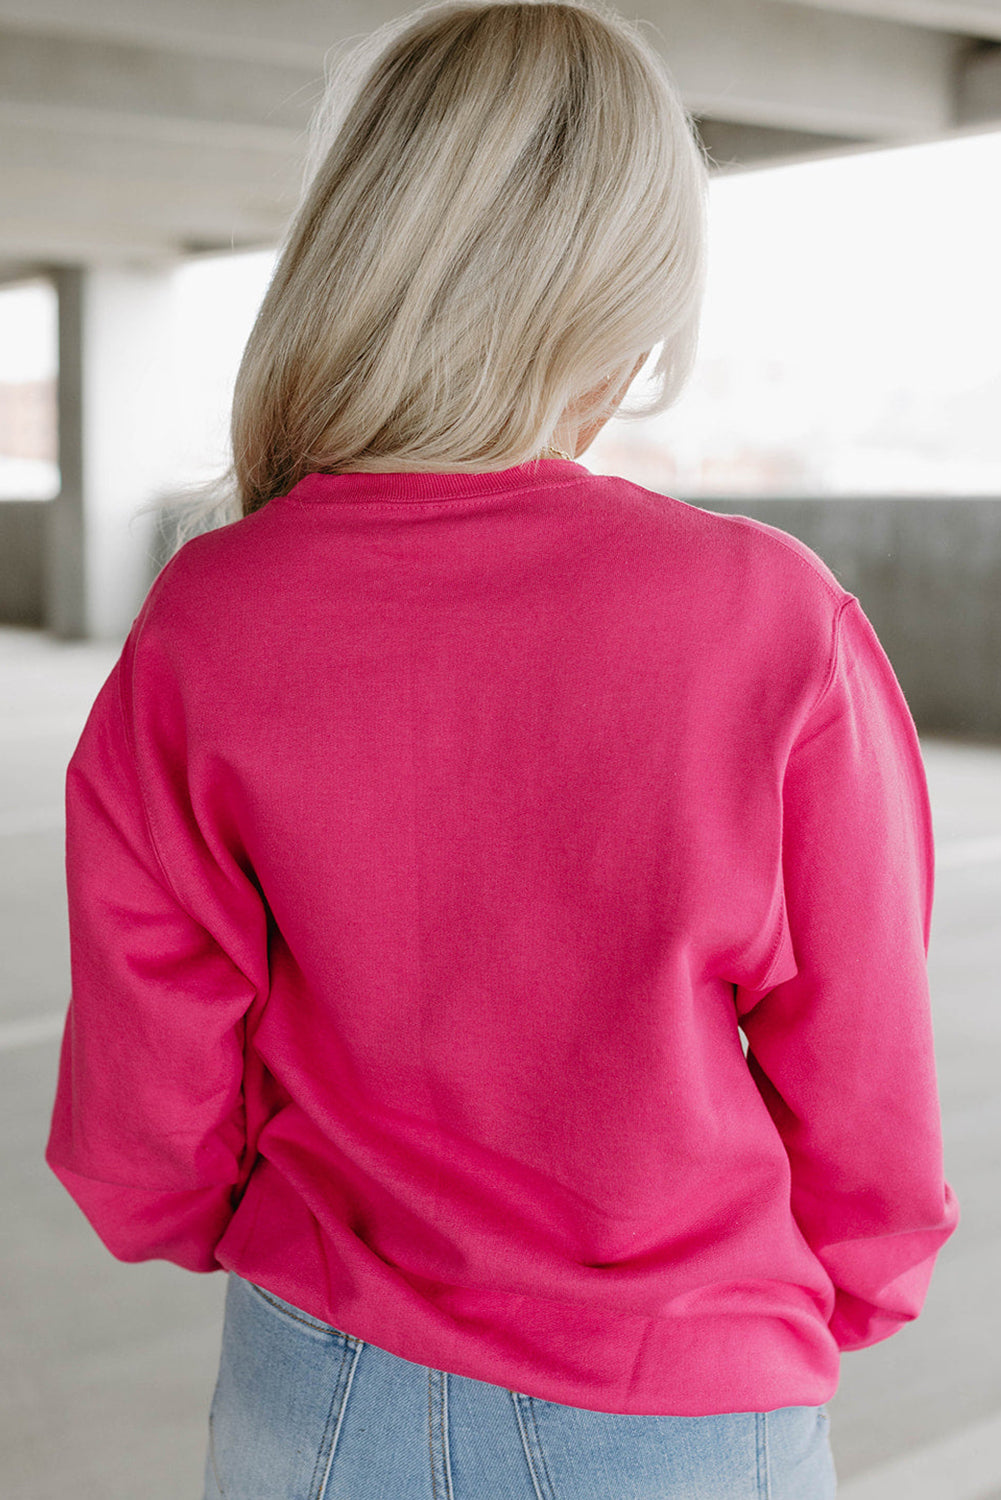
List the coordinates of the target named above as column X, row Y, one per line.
column 411, row 486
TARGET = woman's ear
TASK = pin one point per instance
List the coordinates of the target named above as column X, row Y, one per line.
column 577, row 440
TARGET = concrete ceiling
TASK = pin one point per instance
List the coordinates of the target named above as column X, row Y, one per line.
column 136, row 131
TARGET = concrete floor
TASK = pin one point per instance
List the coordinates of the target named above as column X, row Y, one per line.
column 108, row 1368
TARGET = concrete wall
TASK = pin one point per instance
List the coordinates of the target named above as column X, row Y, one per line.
column 927, row 573
column 22, row 561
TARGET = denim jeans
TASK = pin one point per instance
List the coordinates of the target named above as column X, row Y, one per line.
column 302, row 1411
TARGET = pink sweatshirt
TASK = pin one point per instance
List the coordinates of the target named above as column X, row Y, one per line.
column 426, row 846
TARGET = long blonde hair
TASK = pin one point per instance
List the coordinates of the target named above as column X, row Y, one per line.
column 503, row 207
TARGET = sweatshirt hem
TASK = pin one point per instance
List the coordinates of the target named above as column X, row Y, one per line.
column 704, row 1361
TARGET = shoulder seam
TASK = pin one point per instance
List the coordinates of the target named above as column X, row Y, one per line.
column 774, row 534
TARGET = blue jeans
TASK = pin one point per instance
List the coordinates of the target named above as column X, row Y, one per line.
column 302, row 1411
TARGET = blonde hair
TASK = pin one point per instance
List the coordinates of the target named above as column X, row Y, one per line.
column 503, row 208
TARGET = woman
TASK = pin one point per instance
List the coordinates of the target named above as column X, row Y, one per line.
column 448, row 816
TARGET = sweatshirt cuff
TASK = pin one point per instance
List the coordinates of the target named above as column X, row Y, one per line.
column 146, row 1224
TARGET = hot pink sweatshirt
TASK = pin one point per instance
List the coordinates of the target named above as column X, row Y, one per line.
column 426, row 846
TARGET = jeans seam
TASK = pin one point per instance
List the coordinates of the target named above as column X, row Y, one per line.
column 538, row 1444
column 318, row 1482
column 215, row 1467
column 539, row 1473
column 761, row 1433
column 439, row 1418
column 338, row 1403
column 434, row 1482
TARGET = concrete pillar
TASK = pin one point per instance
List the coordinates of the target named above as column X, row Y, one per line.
column 115, row 409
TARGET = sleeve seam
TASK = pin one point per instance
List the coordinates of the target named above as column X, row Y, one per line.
column 829, row 677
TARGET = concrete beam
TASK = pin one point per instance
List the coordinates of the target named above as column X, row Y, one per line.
column 295, row 33
column 93, row 242
column 979, row 98
column 176, row 96
column 98, row 192
column 44, row 210
column 975, row 18
column 737, row 148
column 127, row 148
column 111, row 152
column 14, row 271
column 787, row 65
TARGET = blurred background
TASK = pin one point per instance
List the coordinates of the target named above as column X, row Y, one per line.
column 848, row 390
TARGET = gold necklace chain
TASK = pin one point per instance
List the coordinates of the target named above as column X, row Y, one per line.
column 558, row 452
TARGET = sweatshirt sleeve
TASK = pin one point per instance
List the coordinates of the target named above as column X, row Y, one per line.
column 147, row 1131
column 842, row 1051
